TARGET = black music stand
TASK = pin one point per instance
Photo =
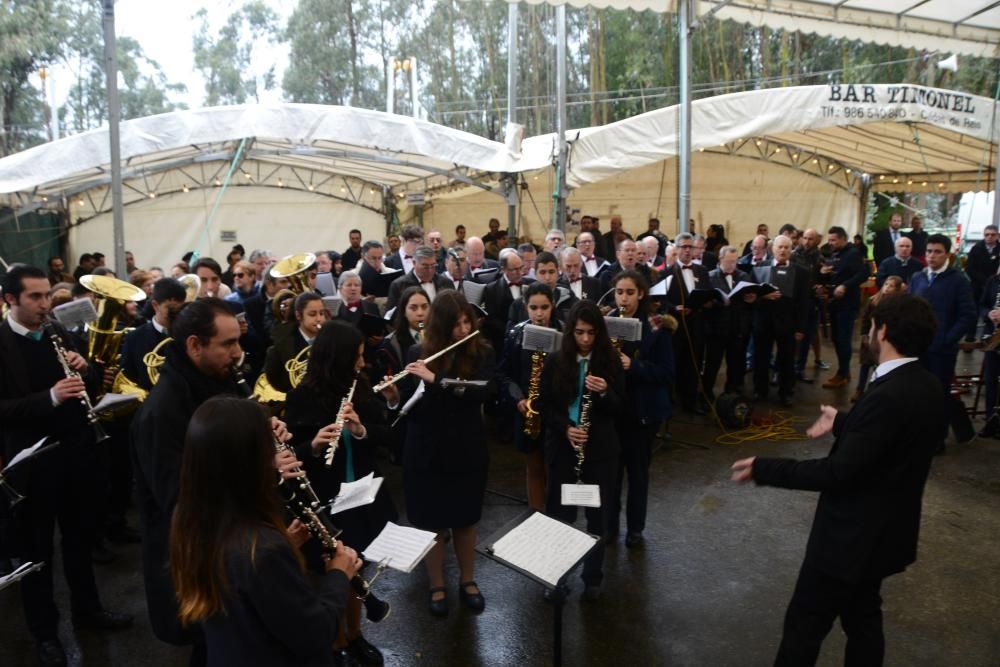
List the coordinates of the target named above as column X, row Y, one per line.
column 558, row 596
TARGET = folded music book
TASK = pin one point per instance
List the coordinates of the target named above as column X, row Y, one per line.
column 326, row 284
column 112, row 401
column 358, row 493
column 485, row 276
column 697, row 298
column 744, row 287
column 542, row 548
column 473, row 292
column 400, row 547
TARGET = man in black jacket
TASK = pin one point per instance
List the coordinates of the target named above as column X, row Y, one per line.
column 499, row 295
column 885, row 239
column 571, row 276
column 689, row 341
column 843, row 274
column 871, row 487
column 424, row 274
column 727, row 328
column 38, row 400
column 984, row 260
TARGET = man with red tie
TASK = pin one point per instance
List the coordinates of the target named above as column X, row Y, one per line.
column 587, row 246
column 413, row 237
column 583, row 287
column 423, row 275
column 781, row 319
column 475, row 251
column 689, row 345
column 500, row 294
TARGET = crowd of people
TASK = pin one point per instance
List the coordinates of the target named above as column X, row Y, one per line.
column 454, row 316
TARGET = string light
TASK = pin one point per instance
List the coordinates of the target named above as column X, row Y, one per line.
column 218, row 182
column 185, row 188
column 281, row 183
column 312, row 188
column 152, row 195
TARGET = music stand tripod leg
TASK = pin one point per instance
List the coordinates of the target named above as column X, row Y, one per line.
column 557, row 598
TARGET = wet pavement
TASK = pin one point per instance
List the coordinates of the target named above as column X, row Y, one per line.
column 708, row 589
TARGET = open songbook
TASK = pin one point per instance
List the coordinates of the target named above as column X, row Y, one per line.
column 356, row 494
column 542, row 547
column 401, row 547
column 473, row 292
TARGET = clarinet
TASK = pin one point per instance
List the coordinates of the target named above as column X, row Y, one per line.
column 303, row 503
column 99, row 434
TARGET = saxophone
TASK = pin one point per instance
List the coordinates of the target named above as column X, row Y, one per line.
column 532, row 418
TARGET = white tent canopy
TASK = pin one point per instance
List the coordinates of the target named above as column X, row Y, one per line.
column 969, row 27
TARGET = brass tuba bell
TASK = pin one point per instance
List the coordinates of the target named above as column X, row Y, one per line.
column 192, row 286
column 105, row 338
column 296, row 270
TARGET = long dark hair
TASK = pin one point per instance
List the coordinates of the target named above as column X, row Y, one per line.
column 448, row 307
column 604, row 362
column 227, row 495
column 400, row 326
column 331, row 361
column 639, row 280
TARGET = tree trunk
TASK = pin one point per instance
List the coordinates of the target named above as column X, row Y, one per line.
column 352, row 30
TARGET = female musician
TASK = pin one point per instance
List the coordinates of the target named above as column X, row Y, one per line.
column 407, row 328
column 445, row 460
column 352, row 307
column 236, row 568
column 649, row 378
column 515, row 375
column 311, row 412
column 585, row 367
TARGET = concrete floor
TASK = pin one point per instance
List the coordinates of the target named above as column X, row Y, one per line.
column 709, row 589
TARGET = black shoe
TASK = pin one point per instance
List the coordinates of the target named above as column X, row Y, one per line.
column 592, row 592
column 51, row 653
column 819, row 363
column 364, row 652
column 801, row 377
column 343, row 658
column 564, row 591
column 474, row 601
column 124, row 535
column 634, row 540
column 438, row 608
column 103, row 620
column 102, row 555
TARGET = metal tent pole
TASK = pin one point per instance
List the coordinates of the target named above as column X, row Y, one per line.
column 560, row 195
column 511, row 193
column 114, row 116
column 684, row 132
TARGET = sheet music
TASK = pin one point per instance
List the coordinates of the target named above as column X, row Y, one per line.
column 75, row 313
column 332, row 305
column 542, row 339
column 660, row 288
column 356, row 494
column 581, row 495
column 26, row 452
column 544, row 547
column 20, row 573
column 625, row 328
column 473, row 292
column 325, row 284
column 401, row 547
column 111, row 401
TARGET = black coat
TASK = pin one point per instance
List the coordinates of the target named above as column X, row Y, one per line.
column 981, row 266
column 284, row 349
column 259, row 317
column 410, row 280
column 850, row 269
column 919, row 242
column 349, row 258
column 790, row 313
column 487, row 264
column 345, row 315
column 892, row 266
column 872, row 482
column 649, row 380
column 734, row 319
column 157, row 445
column 374, row 283
column 135, row 346
column 590, row 289
column 885, row 247
column 274, row 615
column 497, row 300
column 514, row 375
column 607, row 276
column 678, row 292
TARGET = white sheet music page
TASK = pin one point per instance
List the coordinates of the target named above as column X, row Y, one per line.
column 581, row 495
column 544, row 547
column 26, row 452
column 401, row 547
column 357, row 493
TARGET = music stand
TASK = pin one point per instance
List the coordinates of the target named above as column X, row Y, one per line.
column 557, row 597
column 20, row 573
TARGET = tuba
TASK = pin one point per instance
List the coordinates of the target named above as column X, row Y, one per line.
column 297, row 366
column 105, row 340
column 192, row 286
column 295, row 269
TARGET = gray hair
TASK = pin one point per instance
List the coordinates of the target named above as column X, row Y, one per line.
column 684, row 236
column 568, row 251
column 345, row 275
column 557, row 232
column 256, row 254
column 726, row 249
column 423, row 252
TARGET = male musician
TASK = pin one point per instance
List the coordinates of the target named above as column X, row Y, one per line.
column 38, row 399
column 762, row 230
column 258, row 307
column 871, row 488
column 586, row 245
column 780, row 320
column 528, row 254
column 168, row 296
column 706, row 258
column 844, row 275
column 627, row 258
column 654, row 260
column 554, row 241
column 499, row 295
column 412, row 237
column 455, row 267
column 475, row 251
column 756, row 255
column 571, row 266
column 901, row 264
column 547, row 273
column 727, row 328
column 689, row 346
column 310, row 313
column 210, row 274
column 424, row 275
column 886, row 239
column 371, row 270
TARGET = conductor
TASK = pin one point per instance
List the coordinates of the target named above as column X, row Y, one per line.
column 871, row 486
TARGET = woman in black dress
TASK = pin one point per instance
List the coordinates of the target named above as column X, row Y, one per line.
column 236, row 568
column 407, row 327
column 445, row 460
column 515, row 377
column 311, row 414
column 586, row 364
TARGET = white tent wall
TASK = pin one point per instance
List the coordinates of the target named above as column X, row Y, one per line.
column 159, row 231
column 739, row 193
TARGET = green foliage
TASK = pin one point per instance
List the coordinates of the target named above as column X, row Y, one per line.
column 224, row 59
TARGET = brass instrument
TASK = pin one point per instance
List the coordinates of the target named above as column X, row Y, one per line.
column 105, row 340
column 153, row 360
column 192, row 286
column 99, row 434
column 402, row 374
column 305, row 505
column 295, row 269
column 297, row 366
column 532, row 418
column 340, row 423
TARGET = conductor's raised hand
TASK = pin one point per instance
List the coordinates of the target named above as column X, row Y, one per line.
column 68, row 388
column 346, row 560
column 595, row 383
column 823, row 425
column 743, row 470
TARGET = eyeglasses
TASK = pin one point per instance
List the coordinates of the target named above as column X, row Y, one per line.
column 686, row 247
column 238, row 275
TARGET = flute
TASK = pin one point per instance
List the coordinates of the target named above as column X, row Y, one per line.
column 402, row 374
column 340, row 423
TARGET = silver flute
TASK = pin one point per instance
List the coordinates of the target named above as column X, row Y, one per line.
column 63, row 356
column 340, row 423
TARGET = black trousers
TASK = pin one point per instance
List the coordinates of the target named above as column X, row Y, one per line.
column 61, row 490
column 689, row 352
column 732, row 348
column 764, row 337
column 636, row 452
column 599, row 519
column 818, row 600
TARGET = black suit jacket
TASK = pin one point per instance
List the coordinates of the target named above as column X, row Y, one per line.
column 733, row 319
column 790, row 313
column 678, row 291
column 871, row 484
column 410, row 280
column 919, row 242
column 884, row 245
column 487, row 264
column 891, row 266
column 497, row 300
column 981, row 266
column 590, row 288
